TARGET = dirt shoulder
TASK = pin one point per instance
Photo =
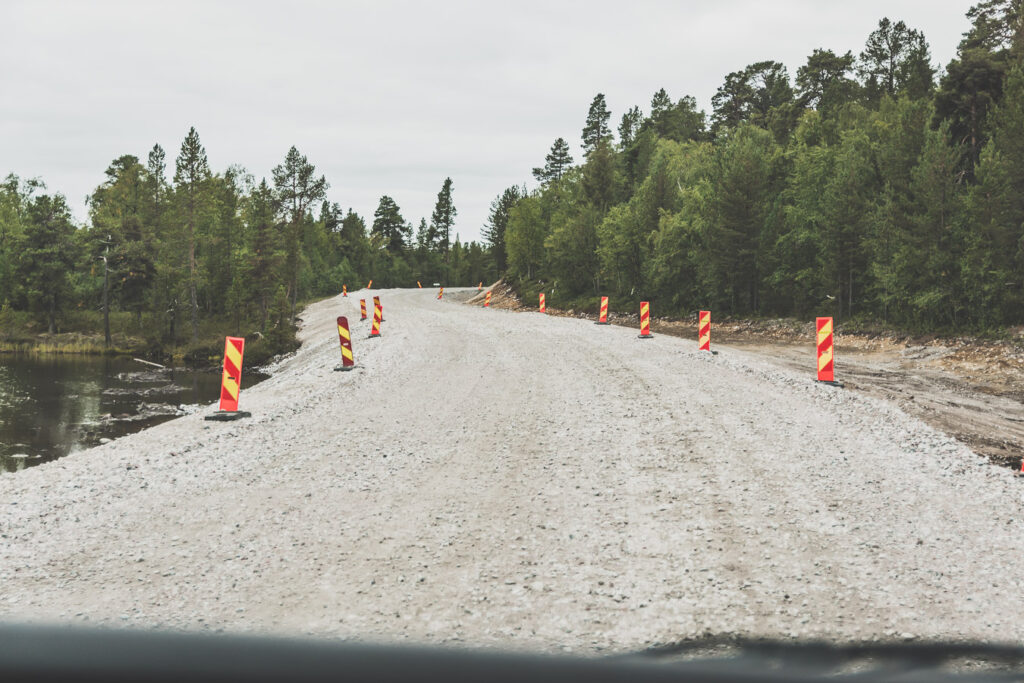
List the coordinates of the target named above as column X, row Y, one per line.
column 967, row 387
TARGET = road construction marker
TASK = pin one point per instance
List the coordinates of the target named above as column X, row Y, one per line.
column 645, row 320
column 602, row 318
column 347, row 362
column 378, row 316
column 362, row 308
column 369, row 284
column 377, row 304
column 543, row 308
column 480, row 286
column 826, row 360
column 487, row 299
column 440, row 293
column 344, row 290
column 231, row 381
column 704, row 331
column 418, row 284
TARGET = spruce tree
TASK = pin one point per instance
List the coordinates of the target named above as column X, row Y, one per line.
column 389, row 225
column 191, row 180
column 497, row 222
column 556, row 163
column 629, row 126
column 443, row 218
column 596, row 129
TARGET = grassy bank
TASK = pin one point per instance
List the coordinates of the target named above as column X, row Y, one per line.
column 81, row 332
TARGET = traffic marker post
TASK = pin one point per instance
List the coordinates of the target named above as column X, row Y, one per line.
column 704, row 332
column 543, row 308
column 377, row 304
column 826, row 353
column 440, row 294
column 602, row 317
column 362, row 309
column 378, row 316
column 645, row 320
column 369, row 284
column 344, row 290
column 231, row 381
column 347, row 361
column 418, row 284
column 487, row 299
column 480, row 286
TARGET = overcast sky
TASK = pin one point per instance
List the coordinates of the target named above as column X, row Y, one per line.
column 384, row 97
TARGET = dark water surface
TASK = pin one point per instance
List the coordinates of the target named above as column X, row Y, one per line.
column 52, row 405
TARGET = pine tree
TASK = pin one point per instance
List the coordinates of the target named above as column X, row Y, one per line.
column 596, row 128
column 443, row 218
column 191, row 180
column 896, row 59
column 297, row 189
column 556, row 163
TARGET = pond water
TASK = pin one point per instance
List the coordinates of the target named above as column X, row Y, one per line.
column 52, row 405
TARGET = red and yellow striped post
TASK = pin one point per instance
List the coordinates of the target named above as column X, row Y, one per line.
column 480, row 286
column 418, row 284
column 231, row 381
column 826, row 367
column 344, row 290
column 645, row 320
column 362, row 309
column 369, row 284
column 347, row 361
column 440, row 293
column 543, row 308
column 377, row 304
column 487, row 299
column 602, row 317
column 704, row 331
column 378, row 316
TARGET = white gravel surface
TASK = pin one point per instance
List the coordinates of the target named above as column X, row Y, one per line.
column 497, row 478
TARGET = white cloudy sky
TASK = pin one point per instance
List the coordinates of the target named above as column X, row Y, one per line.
column 384, row 97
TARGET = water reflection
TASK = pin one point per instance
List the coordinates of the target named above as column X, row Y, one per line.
column 54, row 405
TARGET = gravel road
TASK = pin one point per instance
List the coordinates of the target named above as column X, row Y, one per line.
column 489, row 477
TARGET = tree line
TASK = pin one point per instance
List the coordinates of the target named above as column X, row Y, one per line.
column 182, row 255
column 869, row 186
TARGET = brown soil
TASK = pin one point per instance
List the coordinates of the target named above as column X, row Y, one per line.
column 969, row 388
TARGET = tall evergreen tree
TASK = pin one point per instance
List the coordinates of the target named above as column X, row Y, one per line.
column 556, row 163
column 497, row 224
column 297, row 188
column 191, row 180
column 896, row 59
column 47, row 255
column 389, row 225
column 443, row 218
column 596, row 129
column 629, row 126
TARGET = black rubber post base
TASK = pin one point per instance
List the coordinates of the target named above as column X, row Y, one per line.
column 601, row 323
column 373, row 336
column 713, row 353
column 343, row 368
column 645, row 336
column 227, row 415
column 831, row 384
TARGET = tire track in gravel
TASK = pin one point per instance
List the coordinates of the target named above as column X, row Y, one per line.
column 513, row 479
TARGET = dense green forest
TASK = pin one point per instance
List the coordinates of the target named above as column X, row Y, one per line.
column 872, row 187
column 869, row 187
column 179, row 263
